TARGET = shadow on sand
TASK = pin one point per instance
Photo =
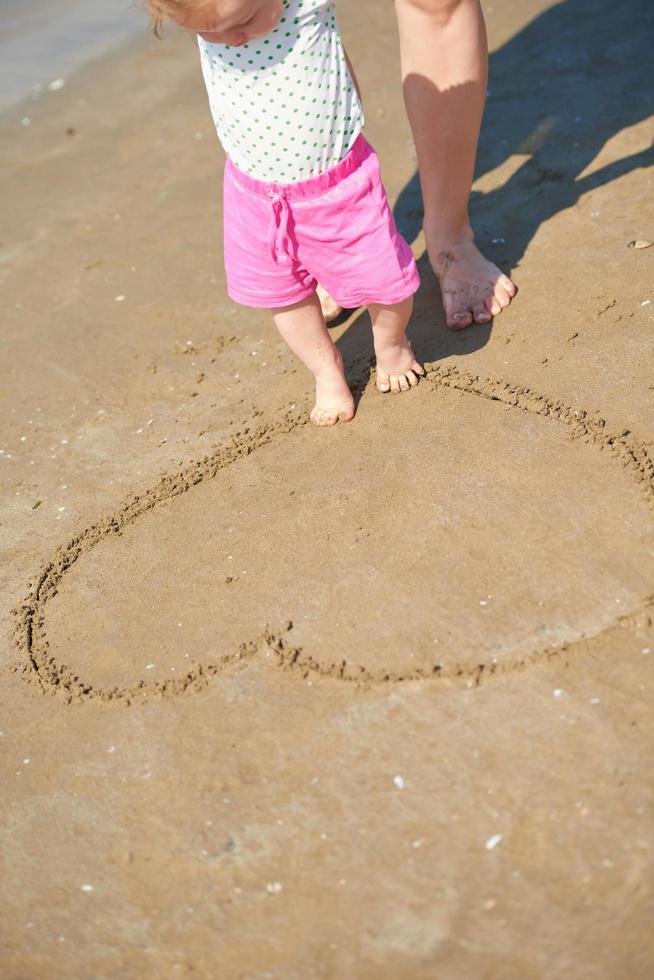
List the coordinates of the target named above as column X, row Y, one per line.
column 564, row 85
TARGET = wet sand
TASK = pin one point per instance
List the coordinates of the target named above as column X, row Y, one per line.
column 366, row 702
column 41, row 42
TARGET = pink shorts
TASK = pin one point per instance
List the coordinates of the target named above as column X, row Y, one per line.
column 336, row 229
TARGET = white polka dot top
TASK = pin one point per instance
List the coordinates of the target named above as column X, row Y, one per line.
column 284, row 104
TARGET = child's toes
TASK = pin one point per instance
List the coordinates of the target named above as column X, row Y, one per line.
column 320, row 416
column 416, row 367
column 330, row 416
column 399, row 382
column 383, row 381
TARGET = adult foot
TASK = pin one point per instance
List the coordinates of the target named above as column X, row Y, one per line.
column 397, row 368
column 334, row 401
column 330, row 308
column 473, row 289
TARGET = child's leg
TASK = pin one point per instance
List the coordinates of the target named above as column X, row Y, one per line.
column 302, row 326
column 396, row 365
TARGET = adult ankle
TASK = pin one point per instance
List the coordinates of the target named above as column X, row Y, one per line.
column 443, row 236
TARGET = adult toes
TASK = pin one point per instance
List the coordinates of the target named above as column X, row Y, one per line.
column 502, row 296
column 403, row 381
column 411, row 378
column 505, row 283
column 481, row 313
column 417, row 368
column 395, row 383
column 459, row 319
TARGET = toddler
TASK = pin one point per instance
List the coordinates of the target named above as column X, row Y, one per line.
column 303, row 200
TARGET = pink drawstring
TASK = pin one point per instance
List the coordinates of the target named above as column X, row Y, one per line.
column 279, row 237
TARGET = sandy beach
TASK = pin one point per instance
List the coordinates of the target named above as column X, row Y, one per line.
column 369, row 702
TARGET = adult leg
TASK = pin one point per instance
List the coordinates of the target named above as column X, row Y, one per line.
column 302, row 326
column 444, row 56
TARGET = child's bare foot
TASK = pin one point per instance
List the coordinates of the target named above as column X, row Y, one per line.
column 397, row 367
column 302, row 326
column 330, row 308
column 334, row 401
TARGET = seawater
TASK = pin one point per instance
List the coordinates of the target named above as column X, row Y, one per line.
column 43, row 40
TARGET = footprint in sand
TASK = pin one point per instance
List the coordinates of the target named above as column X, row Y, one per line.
column 472, row 527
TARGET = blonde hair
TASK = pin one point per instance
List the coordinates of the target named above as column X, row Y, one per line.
column 160, row 9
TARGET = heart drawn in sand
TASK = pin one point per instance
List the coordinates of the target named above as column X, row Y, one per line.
column 470, row 528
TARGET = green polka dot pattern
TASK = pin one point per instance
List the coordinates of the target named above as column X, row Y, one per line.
column 284, row 104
